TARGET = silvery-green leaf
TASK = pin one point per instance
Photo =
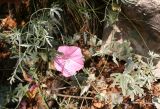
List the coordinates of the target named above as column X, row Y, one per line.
column 43, row 56
column 115, row 59
column 85, row 37
column 116, row 98
column 84, row 89
column 76, row 37
column 156, row 101
column 99, row 43
column 48, row 41
column 25, row 45
column 153, row 55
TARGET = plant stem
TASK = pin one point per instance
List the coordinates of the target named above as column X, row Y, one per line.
column 43, row 98
column 78, row 97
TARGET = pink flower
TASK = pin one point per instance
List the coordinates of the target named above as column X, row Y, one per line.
column 70, row 61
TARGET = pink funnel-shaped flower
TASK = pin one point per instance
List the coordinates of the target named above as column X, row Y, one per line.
column 70, row 61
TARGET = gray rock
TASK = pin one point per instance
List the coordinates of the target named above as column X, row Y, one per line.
column 140, row 24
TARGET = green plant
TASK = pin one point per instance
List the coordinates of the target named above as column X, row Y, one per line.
column 37, row 43
column 19, row 93
column 136, row 76
column 34, row 47
column 138, row 72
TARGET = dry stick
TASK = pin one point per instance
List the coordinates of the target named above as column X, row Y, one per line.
column 71, row 96
column 44, row 101
column 100, row 74
column 139, row 103
column 83, row 101
column 42, row 95
column 90, row 98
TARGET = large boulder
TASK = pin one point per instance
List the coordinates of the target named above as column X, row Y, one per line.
column 140, row 24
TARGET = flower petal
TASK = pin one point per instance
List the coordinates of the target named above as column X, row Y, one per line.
column 59, row 62
column 71, row 67
column 71, row 61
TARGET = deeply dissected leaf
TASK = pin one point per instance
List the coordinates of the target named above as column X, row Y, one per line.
column 128, row 85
